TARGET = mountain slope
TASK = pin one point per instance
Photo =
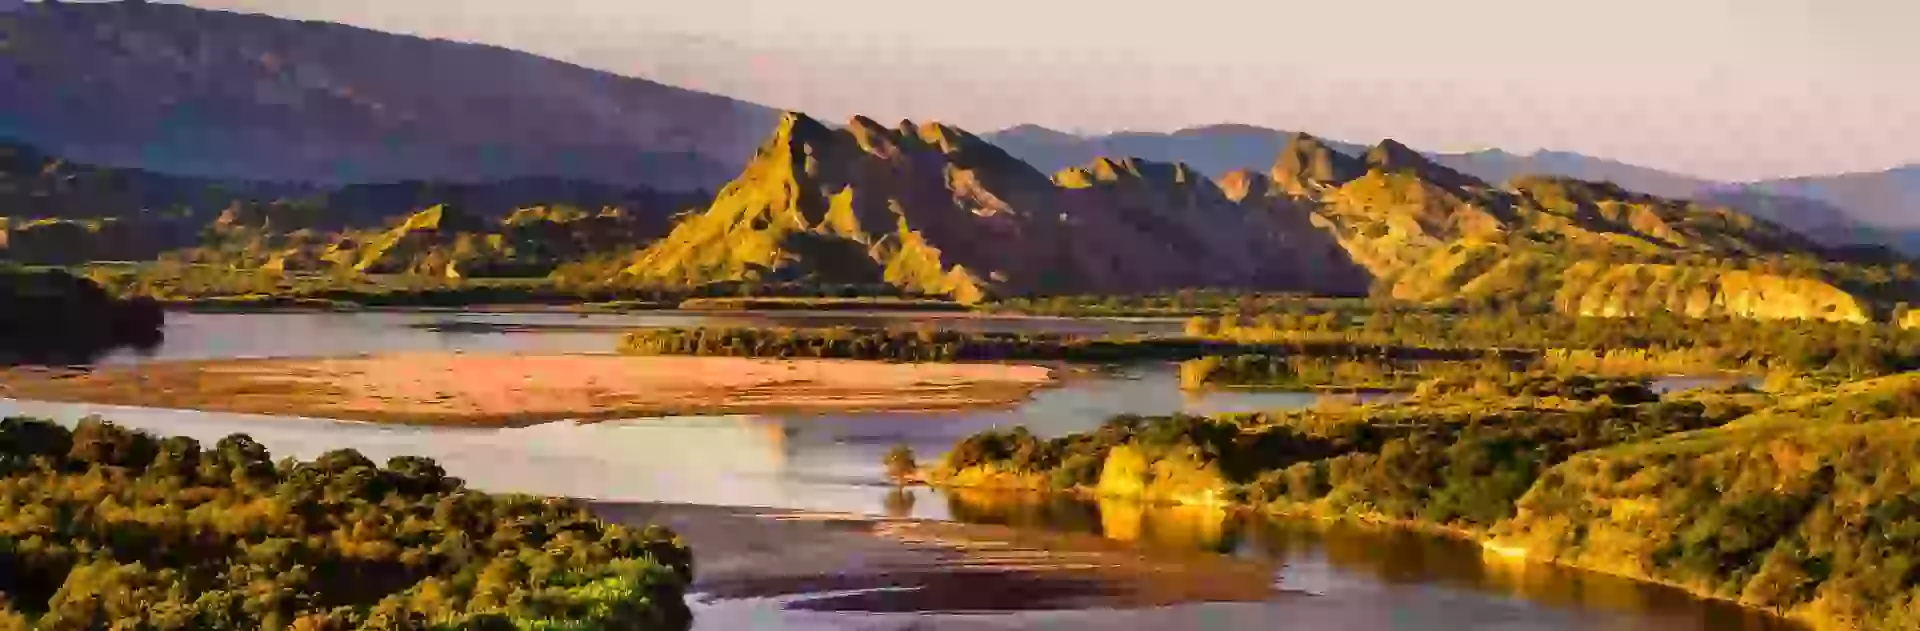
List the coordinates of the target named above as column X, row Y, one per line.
column 1431, row 234
column 1494, row 165
column 1881, row 208
column 189, row 91
column 1887, row 199
column 934, row 209
column 55, row 211
column 1855, row 209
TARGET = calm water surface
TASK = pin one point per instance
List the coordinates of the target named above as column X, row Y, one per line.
column 1363, row 580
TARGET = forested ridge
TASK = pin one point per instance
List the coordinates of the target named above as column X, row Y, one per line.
column 104, row 527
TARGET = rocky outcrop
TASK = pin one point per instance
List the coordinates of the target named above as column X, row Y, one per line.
column 934, row 209
column 1592, row 288
column 1307, row 165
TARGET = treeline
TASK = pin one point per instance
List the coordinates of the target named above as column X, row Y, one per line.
column 103, row 527
column 206, row 285
column 1453, row 467
column 931, row 345
column 1180, row 303
column 55, row 317
column 1734, row 343
column 1304, row 372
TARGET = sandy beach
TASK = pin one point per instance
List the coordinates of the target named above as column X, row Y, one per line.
column 498, row 390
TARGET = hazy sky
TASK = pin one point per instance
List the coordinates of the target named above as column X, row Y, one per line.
column 1734, row 89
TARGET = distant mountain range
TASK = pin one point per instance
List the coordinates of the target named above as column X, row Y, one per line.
column 933, row 209
column 1879, row 207
column 230, row 95
column 266, row 105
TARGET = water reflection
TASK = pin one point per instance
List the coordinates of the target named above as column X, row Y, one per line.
column 1335, row 559
column 899, row 502
column 812, row 462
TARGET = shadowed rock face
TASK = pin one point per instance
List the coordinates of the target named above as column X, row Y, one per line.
column 1306, row 162
column 230, row 95
column 935, row 209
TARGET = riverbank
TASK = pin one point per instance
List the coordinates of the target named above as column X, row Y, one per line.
column 511, row 390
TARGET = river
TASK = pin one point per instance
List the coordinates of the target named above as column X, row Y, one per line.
column 1361, row 580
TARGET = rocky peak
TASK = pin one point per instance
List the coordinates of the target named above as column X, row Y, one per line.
column 1244, row 184
column 1306, row 164
column 796, row 130
column 1107, row 171
column 1392, row 157
column 439, row 218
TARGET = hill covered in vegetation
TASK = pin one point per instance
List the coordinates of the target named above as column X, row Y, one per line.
column 103, row 527
column 1430, row 234
column 54, row 211
column 53, row 316
column 440, row 241
column 1795, row 500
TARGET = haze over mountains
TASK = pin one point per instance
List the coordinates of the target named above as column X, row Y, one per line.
column 209, row 93
column 189, row 111
column 188, row 91
column 1879, row 207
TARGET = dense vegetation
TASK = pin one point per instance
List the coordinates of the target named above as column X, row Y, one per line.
column 933, row 345
column 102, row 527
column 183, row 284
column 1306, row 372
column 1799, row 500
column 1660, row 342
column 53, row 316
column 1181, row 303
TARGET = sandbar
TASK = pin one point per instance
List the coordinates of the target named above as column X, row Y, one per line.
column 503, row 390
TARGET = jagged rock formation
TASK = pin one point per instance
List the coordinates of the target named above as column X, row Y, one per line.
column 1306, row 166
column 1598, row 289
column 1908, row 320
column 934, row 209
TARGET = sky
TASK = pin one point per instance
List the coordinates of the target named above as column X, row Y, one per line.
column 1726, row 89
